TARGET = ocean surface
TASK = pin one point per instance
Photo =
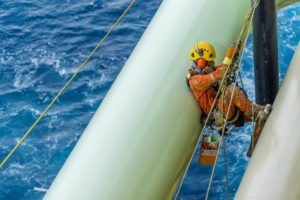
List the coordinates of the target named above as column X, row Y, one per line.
column 43, row 43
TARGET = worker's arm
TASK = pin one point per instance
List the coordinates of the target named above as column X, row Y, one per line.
column 219, row 73
column 232, row 53
column 201, row 83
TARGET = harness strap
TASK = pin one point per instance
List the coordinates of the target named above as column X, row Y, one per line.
column 220, row 120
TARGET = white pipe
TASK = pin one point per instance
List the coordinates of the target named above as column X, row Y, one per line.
column 274, row 170
column 139, row 141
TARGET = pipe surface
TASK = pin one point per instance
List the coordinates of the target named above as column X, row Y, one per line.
column 140, row 140
column 265, row 52
column 274, row 169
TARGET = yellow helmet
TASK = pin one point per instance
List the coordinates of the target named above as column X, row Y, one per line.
column 203, row 50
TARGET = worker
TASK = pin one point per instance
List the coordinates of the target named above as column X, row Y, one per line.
column 204, row 78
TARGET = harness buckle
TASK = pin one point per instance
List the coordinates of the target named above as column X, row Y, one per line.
column 220, row 120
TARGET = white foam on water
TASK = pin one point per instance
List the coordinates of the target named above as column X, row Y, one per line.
column 38, row 189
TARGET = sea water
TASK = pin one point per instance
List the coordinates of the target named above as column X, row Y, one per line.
column 42, row 44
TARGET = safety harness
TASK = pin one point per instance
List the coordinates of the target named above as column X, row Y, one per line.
column 217, row 120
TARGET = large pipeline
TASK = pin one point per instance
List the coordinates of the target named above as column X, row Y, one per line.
column 274, row 169
column 140, row 139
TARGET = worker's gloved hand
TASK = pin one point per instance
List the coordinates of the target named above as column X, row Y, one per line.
column 188, row 76
column 233, row 50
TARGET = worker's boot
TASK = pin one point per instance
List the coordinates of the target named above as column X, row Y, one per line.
column 260, row 121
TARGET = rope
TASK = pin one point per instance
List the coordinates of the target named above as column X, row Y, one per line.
column 231, row 98
column 225, row 158
column 253, row 129
column 205, row 124
column 241, row 79
column 215, row 100
column 66, row 85
column 201, row 133
column 226, row 170
column 286, row 3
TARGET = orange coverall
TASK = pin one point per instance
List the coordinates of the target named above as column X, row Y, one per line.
column 204, row 92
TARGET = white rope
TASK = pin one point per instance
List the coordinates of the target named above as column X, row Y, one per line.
column 231, row 98
column 202, row 130
column 213, row 105
column 226, row 170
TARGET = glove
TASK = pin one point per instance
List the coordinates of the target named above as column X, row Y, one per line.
column 233, row 48
column 188, row 76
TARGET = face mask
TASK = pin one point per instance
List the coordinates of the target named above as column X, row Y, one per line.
column 198, row 70
column 201, row 63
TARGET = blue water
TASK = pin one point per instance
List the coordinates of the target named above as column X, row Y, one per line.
column 42, row 44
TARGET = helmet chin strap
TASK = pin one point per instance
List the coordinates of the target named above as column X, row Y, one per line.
column 207, row 70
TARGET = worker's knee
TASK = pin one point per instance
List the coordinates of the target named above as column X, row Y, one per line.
column 229, row 89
